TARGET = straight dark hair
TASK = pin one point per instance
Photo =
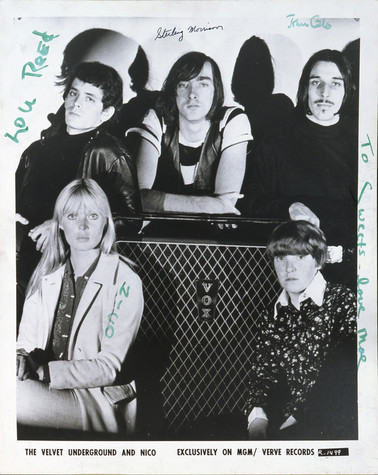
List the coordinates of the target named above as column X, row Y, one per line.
column 184, row 69
column 331, row 56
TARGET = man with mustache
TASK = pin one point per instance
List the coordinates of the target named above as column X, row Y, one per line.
column 307, row 168
column 192, row 153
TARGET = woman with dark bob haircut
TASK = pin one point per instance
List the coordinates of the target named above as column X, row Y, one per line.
column 298, row 238
column 303, row 376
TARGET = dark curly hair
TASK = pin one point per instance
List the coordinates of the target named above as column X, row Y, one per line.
column 102, row 76
column 332, row 56
column 298, row 238
column 188, row 67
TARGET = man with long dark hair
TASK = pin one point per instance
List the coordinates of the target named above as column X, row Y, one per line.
column 307, row 167
column 193, row 150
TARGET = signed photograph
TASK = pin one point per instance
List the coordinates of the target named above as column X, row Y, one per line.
column 188, row 239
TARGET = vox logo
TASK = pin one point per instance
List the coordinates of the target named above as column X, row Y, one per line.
column 207, row 296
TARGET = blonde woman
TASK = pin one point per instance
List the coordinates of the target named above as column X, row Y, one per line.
column 81, row 315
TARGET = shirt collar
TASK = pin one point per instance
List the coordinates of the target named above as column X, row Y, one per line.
column 87, row 274
column 315, row 291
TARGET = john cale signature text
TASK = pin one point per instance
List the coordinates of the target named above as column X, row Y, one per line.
column 315, row 22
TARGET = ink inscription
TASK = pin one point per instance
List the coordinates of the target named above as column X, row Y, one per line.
column 163, row 33
column 31, row 69
column 367, row 153
column 109, row 330
column 315, row 22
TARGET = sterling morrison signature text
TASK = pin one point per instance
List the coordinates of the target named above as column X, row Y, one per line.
column 163, row 33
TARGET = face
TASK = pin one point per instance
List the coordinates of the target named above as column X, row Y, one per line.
column 325, row 92
column 84, row 110
column 294, row 272
column 83, row 228
column 194, row 98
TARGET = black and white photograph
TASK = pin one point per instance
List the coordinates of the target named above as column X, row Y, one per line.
column 189, row 247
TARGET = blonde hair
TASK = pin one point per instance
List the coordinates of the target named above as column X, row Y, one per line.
column 83, row 191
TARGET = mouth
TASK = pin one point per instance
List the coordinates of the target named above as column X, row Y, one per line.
column 324, row 103
column 82, row 238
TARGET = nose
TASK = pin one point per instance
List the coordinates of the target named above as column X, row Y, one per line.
column 83, row 223
column 290, row 265
column 192, row 92
column 77, row 101
column 324, row 90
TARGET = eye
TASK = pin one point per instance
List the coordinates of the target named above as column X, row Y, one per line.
column 315, row 82
column 337, row 84
column 89, row 99
column 278, row 258
column 182, row 85
column 71, row 216
column 93, row 216
column 204, row 84
column 72, row 93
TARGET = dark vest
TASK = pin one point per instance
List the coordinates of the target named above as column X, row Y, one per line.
column 168, row 177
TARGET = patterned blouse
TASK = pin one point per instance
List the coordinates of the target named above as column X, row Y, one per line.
column 294, row 345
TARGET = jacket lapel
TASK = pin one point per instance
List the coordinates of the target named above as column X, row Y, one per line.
column 102, row 276
column 51, row 285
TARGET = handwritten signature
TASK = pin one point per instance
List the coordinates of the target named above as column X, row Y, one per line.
column 32, row 69
column 367, row 152
column 109, row 330
column 362, row 334
column 315, row 22
column 163, row 33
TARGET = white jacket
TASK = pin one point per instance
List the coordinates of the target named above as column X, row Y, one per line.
column 105, row 325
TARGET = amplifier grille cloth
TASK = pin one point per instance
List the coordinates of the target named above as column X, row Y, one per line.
column 207, row 368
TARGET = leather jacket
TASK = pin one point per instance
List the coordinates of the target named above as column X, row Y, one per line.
column 103, row 158
column 107, row 161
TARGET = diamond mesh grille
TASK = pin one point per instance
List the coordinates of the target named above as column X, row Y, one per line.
column 207, row 370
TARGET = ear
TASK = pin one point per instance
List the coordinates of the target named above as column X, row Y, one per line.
column 107, row 113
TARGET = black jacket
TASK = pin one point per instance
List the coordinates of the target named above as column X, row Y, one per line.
column 47, row 166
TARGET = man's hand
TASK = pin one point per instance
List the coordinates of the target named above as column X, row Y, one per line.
column 41, row 235
column 229, row 200
column 21, row 219
column 298, row 211
column 257, row 429
column 22, row 371
column 227, row 225
column 226, row 203
column 21, row 231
